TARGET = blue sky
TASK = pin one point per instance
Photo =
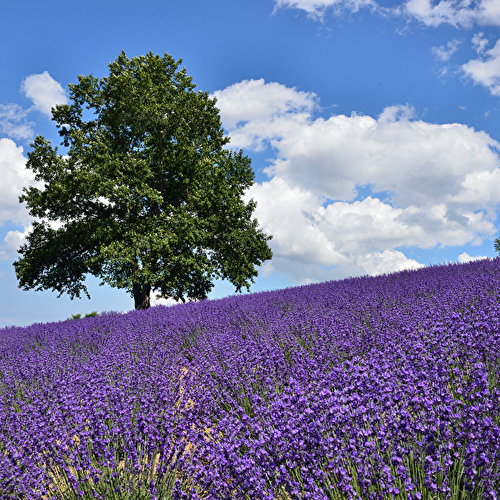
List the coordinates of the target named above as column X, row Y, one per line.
column 373, row 127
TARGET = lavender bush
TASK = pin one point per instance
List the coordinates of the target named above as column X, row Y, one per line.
column 374, row 388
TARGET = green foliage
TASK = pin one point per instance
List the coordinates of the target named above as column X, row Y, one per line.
column 497, row 244
column 89, row 315
column 148, row 197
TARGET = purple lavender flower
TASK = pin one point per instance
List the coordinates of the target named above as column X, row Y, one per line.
column 371, row 388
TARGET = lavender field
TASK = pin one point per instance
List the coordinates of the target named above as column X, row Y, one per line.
column 380, row 387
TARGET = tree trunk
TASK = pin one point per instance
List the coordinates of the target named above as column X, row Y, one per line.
column 141, row 296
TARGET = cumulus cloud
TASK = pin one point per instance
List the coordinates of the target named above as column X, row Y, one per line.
column 486, row 71
column 44, row 91
column 13, row 240
column 157, row 300
column 465, row 257
column 417, row 162
column 15, row 176
column 252, row 104
column 436, row 184
column 388, row 261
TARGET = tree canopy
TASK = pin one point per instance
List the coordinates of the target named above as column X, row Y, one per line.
column 148, row 198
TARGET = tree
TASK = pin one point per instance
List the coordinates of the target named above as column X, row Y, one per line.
column 496, row 244
column 148, row 197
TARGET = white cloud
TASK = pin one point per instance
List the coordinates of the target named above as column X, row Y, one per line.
column 157, row 300
column 454, row 12
column 15, row 176
column 465, row 257
column 417, row 162
column 479, row 42
column 13, row 240
column 13, row 122
column 256, row 104
column 44, row 91
column 363, row 233
column 445, row 11
column 293, row 216
column 388, row 261
column 441, row 182
column 458, row 13
column 486, row 72
column 316, row 8
column 445, row 53
column 487, row 13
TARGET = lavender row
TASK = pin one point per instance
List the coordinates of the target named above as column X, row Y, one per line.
column 373, row 387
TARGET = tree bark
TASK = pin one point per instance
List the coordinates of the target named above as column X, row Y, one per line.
column 141, row 296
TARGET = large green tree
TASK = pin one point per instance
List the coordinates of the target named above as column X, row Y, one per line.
column 148, row 198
